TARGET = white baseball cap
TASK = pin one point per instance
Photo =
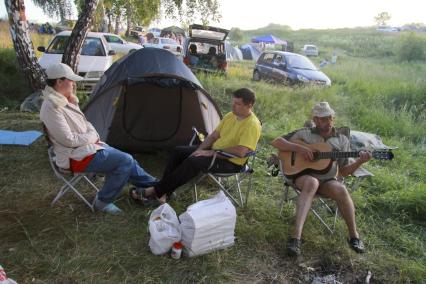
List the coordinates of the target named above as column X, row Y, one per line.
column 61, row 70
column 322, row 109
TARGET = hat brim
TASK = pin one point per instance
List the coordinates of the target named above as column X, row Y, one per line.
column 324, row 114
column 74, row 77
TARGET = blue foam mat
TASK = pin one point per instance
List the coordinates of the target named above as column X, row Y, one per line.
column 23, row 138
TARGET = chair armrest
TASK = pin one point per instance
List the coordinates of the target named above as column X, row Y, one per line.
column 229, row 156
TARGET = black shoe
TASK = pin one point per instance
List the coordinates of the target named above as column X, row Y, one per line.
column 137, row 194
column 356, row 244
column 293, row 246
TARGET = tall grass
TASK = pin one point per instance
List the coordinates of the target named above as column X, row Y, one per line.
column 68, row 244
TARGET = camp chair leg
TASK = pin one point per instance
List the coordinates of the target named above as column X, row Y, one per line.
column 224, row 189
column 237, row 179
column 323, row 222
column 248, row 191
column 70, row 185
column 64, row 189
column 284, row 199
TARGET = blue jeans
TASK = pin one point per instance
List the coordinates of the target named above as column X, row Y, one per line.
column 119, row 168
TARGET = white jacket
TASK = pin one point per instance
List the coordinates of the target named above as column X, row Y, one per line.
column 68, row 129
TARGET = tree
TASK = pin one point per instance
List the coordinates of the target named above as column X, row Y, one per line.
column 23, row 45
column 382, row 18
column 236, row 35
column 71, row 55
column 58, row 8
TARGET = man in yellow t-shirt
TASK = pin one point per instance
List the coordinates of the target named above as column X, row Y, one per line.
column 237, row 134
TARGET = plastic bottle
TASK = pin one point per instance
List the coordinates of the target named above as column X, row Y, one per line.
column 176, row 250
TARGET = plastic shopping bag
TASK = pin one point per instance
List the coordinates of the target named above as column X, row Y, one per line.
column 164, row 229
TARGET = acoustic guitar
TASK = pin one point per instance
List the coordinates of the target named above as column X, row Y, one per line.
column 295, row 165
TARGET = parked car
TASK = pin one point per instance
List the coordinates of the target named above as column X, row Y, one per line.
column 136, row 31
column 387, row 29
column 310, row 50
column 95, row 57
column 204, row 49
column 119, row 45
column 288, row 68
column 165, row 43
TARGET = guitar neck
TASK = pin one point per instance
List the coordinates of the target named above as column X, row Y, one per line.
column 336, row 155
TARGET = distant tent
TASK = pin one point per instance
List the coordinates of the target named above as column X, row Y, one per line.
column 250, row 52
column 173, row 29
column 150, row 100
column 268, row 39
column 232, row 53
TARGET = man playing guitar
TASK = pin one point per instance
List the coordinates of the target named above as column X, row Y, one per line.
column 325, row 183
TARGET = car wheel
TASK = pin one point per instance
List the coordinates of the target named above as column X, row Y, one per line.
column 256, row 75
column 132, row 50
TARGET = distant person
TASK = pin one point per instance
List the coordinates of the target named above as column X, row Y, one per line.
column 76, row 142
column 334, row 58
column 211, row 56
column 149, row 37
column 193, row 55
column 141, row 39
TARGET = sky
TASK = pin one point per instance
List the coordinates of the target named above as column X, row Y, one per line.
column 312, row 14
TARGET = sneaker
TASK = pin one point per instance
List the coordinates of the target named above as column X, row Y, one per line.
column 109, row 208
column 356, row 244
column 293, row 246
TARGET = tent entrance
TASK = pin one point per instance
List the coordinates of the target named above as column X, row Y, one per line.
column 144, row 104
column 150, row 116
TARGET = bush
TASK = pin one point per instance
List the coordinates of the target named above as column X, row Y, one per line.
column 411, row 48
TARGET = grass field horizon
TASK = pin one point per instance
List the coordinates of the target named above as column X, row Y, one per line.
column 372, row 91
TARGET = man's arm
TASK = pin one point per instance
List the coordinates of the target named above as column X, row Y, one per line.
column 349, row 169
column 239, row 151
column 204, row 148
column 283, row 144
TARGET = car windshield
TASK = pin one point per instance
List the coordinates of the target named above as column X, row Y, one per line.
column 113, row 39
column 300, row 62
column 91, row 47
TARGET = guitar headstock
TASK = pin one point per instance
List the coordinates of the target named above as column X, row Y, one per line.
column 382, row 154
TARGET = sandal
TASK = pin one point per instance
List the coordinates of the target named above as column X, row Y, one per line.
column 356, row 244
column 142, row 199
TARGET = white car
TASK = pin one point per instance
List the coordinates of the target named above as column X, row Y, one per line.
column 119, row 45
column 165, row 43
column 387, row 29
column 310, row 50
column 95, row 57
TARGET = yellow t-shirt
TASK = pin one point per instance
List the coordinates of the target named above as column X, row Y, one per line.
column 234, row 132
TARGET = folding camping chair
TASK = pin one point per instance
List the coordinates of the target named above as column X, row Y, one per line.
column 359, row 175
column 69, row 178
column 232, row 189
column 316, row 204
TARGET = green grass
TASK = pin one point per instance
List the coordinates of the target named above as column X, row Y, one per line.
column 68, row 244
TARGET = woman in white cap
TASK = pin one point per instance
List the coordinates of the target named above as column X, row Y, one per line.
column 76, row 142
column 325, row 184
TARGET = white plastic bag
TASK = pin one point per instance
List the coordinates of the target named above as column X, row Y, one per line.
column 208, row 225
column 164, row 229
